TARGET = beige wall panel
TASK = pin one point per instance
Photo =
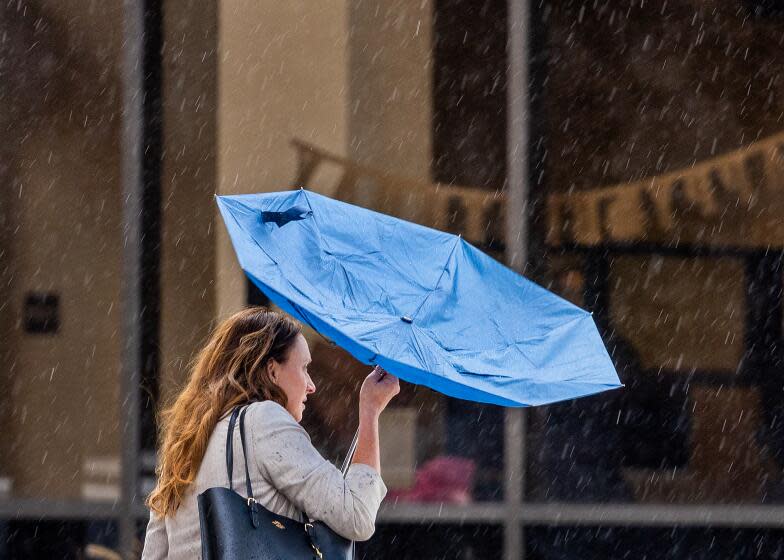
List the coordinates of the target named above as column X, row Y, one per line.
column 61, row 203
column 282, row 74
column 64, row 388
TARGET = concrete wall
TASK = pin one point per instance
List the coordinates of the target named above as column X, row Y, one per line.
column 390, row 85
column 352, row 77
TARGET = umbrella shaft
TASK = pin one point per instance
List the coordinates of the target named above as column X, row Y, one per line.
column 350, row 455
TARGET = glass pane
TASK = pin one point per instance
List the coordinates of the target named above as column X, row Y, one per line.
column 693, row 424
column 661, row 171
column 667, row 543
column 434, row 542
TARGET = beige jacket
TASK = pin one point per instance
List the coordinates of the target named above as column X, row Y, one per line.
column 288, row 475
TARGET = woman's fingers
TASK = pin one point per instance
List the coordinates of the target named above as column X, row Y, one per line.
column 378, row 389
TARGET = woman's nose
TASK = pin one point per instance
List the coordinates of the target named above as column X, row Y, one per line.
column 311, row 386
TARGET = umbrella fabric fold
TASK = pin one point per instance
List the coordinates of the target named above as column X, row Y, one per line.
column 423, row 304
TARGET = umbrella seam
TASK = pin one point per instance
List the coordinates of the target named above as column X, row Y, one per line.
column 305, row 194
column 253, row 212
column 536, row 367
column 438, row 282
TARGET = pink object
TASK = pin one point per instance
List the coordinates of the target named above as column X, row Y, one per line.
column 445, row 478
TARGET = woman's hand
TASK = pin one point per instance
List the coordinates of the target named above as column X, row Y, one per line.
column 377, row 390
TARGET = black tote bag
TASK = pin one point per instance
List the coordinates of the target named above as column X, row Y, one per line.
column 235, row 527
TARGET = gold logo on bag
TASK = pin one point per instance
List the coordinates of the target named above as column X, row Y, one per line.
column 278, row 524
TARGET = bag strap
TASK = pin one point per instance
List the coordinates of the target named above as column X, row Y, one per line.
column 230, row 446
column 253, row 506
column 245, row 453
column 238, row 411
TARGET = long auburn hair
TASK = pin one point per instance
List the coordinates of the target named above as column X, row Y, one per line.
column 230, row 370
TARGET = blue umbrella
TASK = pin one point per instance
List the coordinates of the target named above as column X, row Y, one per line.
column 423, row 304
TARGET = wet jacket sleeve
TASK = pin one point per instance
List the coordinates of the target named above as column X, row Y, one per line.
column 156, row 543
column 286, row 456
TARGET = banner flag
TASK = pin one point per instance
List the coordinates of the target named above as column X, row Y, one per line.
column 735, row 199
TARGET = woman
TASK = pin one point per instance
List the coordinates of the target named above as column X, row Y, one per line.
column 260, row 357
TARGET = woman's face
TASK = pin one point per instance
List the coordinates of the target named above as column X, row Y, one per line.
column 293, row 378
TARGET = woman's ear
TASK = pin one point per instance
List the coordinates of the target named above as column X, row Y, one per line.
column 272, row 370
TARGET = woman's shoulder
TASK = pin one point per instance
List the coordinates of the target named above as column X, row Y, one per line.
column 270, row 416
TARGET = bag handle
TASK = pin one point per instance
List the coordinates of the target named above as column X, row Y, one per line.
column 238, row 411
column 245, row 453
column 229, row 446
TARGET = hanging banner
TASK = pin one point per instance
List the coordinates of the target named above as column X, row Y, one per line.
column 477, row 214
column 733, row 200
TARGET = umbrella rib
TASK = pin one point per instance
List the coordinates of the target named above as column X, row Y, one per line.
column 438, row 282
column 305, row 194
column 248, row 233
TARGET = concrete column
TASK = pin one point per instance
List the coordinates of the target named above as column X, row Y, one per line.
column 283, row 73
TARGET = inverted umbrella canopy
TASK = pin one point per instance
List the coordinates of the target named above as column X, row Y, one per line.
column 423, row 304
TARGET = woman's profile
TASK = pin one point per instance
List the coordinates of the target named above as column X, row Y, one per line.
column 260, row 358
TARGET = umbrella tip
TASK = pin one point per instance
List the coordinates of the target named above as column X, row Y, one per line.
column 406, row 319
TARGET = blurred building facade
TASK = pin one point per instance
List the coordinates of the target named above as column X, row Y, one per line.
column 402, row 106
